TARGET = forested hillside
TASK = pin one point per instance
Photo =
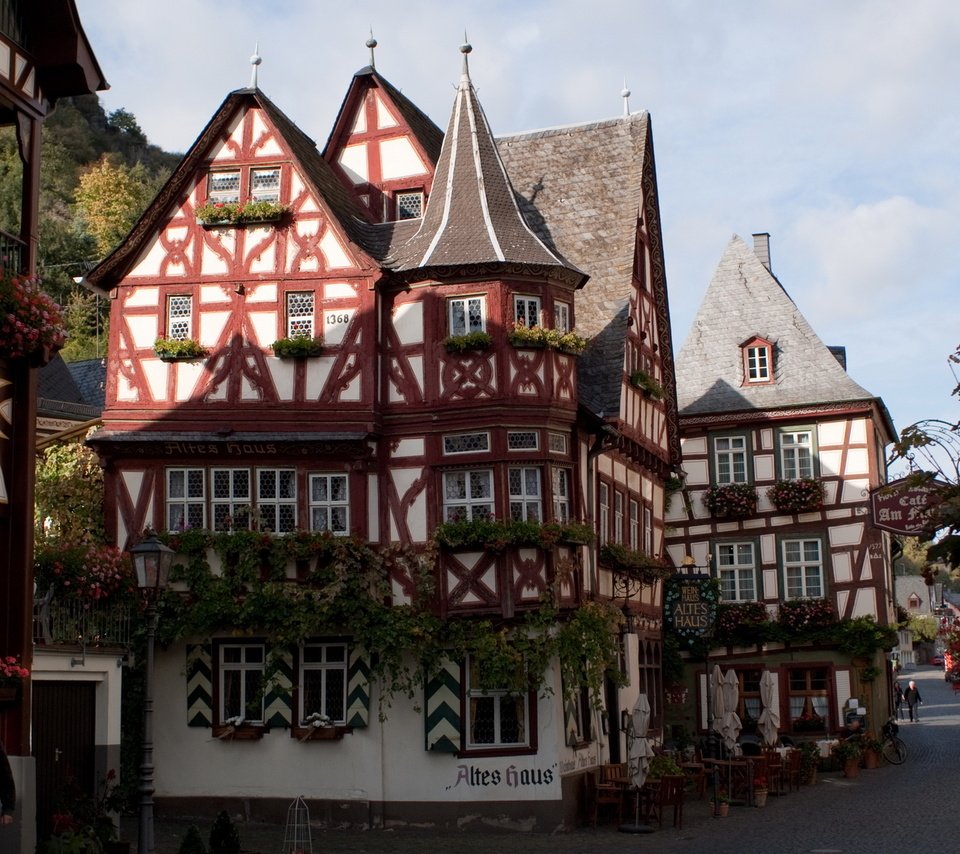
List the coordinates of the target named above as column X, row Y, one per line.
column 98, row 174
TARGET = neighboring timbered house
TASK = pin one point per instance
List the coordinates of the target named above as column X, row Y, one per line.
column 765, row 405
column 432, row 282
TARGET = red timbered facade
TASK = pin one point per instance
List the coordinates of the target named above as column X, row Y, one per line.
column 781, row 450
column 413, row 261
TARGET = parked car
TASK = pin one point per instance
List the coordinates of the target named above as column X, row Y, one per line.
column 937, row 661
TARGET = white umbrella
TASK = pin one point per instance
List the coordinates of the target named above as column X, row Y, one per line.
column 719, row 706
column 731, row 726
column 769, row 720
column 639, row 749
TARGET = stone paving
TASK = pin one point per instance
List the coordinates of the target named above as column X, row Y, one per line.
column 891, row 809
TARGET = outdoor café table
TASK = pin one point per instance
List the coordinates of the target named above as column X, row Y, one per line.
column 739, row 774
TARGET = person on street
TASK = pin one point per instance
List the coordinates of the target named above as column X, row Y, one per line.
column 898, row 700
column 8, row 791
column 914, row 701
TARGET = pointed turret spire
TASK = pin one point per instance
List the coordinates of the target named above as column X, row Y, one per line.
column 472, row 216
column 372, row 44
column 255, row 61
column 625, row 94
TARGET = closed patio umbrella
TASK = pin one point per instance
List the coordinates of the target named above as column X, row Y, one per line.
column 730, row 724
column 719, row 706
column 639, row 749
column 769, row 720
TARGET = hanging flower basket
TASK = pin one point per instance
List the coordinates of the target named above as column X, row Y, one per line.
column 31, row 323
column 12, row 674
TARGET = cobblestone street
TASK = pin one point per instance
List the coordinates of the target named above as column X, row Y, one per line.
column 889, row 809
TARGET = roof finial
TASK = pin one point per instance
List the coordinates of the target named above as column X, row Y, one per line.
column 465, row 49
column 372, row 44
column 255, row 60
column 625, row 94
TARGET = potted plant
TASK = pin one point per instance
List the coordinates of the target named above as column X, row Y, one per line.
column 809, row 762
column 872, row 748
column 721, row 805
column 848, row 754
column 731, row 500
column 803, row 495
column 12, row 674
column 31, row 323
column 760, row 792
column 297, row 347
column 647, row 384
column 178, row 350
column 662, row 766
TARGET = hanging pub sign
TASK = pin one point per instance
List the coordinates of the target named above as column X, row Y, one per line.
column 690, row 605
column 905, row 506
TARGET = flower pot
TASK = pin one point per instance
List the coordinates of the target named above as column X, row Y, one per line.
column 760, row 797
column 851, row 767
column 871, row 759
column 9, row 694
column 721, row 810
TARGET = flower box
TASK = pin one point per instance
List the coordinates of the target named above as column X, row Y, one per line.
column 468, row 342
column 647, row 384
column 176, row 350
column 731, row 500
column 299, row 347
column 804, row 495
column 319, row 733
column 528, row 337
column 239, row 732
column 223, row 214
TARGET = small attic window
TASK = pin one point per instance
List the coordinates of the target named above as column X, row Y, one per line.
column 757, row 361
column 224, row 187
column 265, row 185
column 409, row 205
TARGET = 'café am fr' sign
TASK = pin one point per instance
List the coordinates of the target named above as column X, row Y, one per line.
column 903, row 506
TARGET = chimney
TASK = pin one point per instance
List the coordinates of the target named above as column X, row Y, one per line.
column 761, row 248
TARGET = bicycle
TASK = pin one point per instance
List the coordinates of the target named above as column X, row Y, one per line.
column 894, row 750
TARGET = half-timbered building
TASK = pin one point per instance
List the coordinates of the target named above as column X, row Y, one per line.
column 434, row 287
column 781, row 448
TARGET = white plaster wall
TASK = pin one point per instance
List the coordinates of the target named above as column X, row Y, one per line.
column 831, row 433
column 143, row 330
column 399, row 159
column 334, row 253
column 698, row 472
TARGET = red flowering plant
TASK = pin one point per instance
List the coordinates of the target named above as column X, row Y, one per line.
column 802, row 616
column 29, row 319
column 732, row 500
column 743, row 623
column 87, row 573
column 12, row 672
column 803, row 495
column 238, row 213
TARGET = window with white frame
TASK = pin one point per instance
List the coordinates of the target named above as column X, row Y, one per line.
column 179, row 317
column 329, row 503
column 809, row 699
column 647, row 530
column 323, row 681
column 300, row 316
column 466, row 314
column 277, row 500
column 634, row 524
column 560, row 483
column 557, row 443
column 186, row 498
column 223, row 187
column 730, row 459
column 523, row 440
column 737, row 571
column 617, row 516
column 526, row 310
column 803, row 568
column 241, row 682
column 604, row 513
column 230, row 501
column 494, row 717
column 409, row 204
column 525, row 495
column 561, row 316
column 758, row 364
column 467, row 495
column 796, row 454
column 265, row 184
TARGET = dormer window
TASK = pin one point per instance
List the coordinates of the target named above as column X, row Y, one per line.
column 757, row 361
column 409, row 204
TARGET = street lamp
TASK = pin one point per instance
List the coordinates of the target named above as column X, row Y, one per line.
column 152, row 560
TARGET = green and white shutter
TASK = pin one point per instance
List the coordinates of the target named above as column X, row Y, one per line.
column 442, row 709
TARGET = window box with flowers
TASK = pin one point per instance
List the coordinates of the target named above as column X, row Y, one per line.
column 647, row 384
column 214, row 214
column 298, row 347
column 319, row 727
column 31, row 323
column 799, row 618
column 468, row 342
column 731, row 500
column 238, row 729
column 177, row 350
column 633, row 564
column 12, row 674
column 523, row 336
column 804, row 495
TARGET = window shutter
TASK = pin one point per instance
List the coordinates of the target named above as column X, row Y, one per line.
column 278, row 700
column 358, row 688
column 570, row 718
column 442, row 708
column 199, row 684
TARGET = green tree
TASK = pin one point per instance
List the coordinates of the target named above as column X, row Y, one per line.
column 110, row 197
column 924, row 627
column 69, row 495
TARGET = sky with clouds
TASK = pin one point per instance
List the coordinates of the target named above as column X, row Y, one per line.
column 833, row 126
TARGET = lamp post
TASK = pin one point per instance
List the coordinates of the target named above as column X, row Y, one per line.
column 152, row 560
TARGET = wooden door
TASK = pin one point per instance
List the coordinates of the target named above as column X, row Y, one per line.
column 64, row 734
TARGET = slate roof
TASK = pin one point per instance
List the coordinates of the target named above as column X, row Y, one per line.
column 90, row 376
column 59, row 396
column 472, row 216
column 581, row 189
column 744, row 300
